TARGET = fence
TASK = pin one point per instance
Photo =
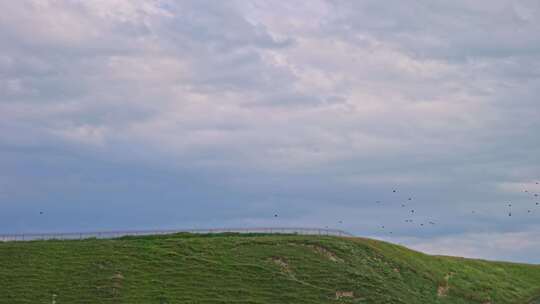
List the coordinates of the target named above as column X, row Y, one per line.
column 117, row 234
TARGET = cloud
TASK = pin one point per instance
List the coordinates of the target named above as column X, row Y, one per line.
column 121, row 114
column 496, row 246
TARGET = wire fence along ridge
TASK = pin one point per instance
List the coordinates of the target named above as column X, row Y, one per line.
column 121, row 233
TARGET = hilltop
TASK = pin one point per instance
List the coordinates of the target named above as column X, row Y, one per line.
column 251, row 268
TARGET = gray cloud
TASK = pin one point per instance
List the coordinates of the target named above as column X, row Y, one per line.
column 139, row 114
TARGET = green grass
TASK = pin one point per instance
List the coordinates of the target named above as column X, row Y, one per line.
column 229, row 268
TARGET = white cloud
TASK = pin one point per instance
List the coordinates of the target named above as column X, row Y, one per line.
column 515, row 245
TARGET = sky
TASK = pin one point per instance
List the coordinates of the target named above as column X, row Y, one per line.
column 131, row 114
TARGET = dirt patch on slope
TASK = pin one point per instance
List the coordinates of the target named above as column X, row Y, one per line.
column 444, row 288
column 326, row 253
column 283, row 265
column 344, row 294
column 117, row 281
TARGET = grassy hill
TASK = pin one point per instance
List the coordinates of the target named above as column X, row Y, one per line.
column 230, row 268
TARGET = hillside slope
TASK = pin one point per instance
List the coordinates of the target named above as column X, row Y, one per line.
column 230, row 268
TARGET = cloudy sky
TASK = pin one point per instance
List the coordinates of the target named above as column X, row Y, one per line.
column 193, row 114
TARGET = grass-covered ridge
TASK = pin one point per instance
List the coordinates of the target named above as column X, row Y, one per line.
column 229, row 268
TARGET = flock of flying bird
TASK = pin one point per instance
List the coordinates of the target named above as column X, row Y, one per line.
column 534, row 196
column 412, row 212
